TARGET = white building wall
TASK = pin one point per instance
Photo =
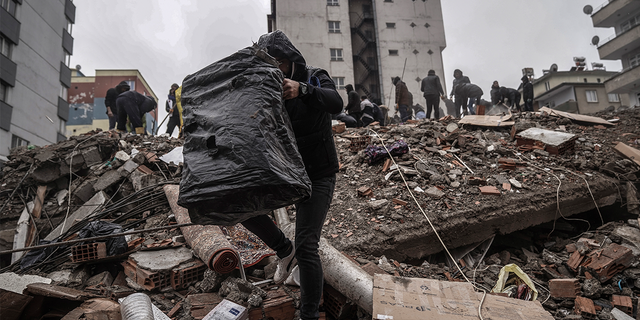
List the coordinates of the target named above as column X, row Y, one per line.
column 406, row 39
column 38, row 56
column 306, row 25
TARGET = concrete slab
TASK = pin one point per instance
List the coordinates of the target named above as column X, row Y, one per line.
column 162, row 259
column 85, row 211
column 108, row 179
column 17, row 283
column 552, row 138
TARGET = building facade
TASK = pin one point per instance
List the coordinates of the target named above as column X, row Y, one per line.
column 87, row 110
column 36, row 44
column 576, row 91
column 624, row 17
column 366, row 42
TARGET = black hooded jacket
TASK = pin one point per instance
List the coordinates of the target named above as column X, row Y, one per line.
column 527, row 89
column 431, row 85
column 311, row 114
column 468, row 90
column 496, row 97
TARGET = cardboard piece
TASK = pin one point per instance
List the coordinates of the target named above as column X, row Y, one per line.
column 227, row 310
column 420, row 299
column 629, row 152
column 576, row 117
column 487, row 121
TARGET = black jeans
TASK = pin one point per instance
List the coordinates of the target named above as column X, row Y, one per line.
column 433, row 103
column 173, row 122
column 310, row 216
column 461, row 102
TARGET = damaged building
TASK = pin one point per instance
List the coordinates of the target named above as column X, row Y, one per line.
column 537, row 210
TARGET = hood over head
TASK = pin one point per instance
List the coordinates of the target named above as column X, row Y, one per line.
column 278, row 45
column 122, row 86
column 396, row 80
column 431, row 73
column 349, row 88
column 495, row 85
column 457, row 73
column 525, row 79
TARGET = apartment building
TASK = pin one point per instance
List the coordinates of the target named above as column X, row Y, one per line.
column 624, row 17
column 366, row 42
column 36, row 47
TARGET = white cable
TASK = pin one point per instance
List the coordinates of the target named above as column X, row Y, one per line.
column 433, row 227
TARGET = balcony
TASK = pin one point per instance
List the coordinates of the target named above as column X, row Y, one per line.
column 613, row 48
column 624, row 81
column 612, row 12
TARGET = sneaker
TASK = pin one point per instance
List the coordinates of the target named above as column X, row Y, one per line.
column 285, row 266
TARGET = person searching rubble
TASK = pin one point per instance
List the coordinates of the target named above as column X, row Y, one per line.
column 110, row 102
column 513, row 97
column 469, row 91
column 174, row 109
column 354, row 107
column 310, row 98
column 368, row 115
column 432, row 90
column 133, row 105
column 404, row 99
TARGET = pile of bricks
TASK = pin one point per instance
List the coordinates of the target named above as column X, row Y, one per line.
column 605, row 262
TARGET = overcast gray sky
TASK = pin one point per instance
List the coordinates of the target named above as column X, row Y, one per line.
column 168, row 39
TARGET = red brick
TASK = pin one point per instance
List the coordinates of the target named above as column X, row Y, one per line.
column 623, row 303
column 585, row 308
column 564, row 288
column 489, row 190
column 608, row 261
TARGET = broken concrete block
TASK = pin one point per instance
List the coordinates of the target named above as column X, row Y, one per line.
column 17, row 283
column 623, row 303
column 60, row 277
column 141, row 180
column 122, row 156
column 91, row 156
column 128, row 167
column 378, row 204
column 108, row 179
column 161, row 260
column 435, row 192
column 85, row 211
column 85, row 191
column 47, row 154
column 47, row 173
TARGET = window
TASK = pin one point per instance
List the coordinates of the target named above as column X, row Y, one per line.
column 388, row 0
column 17, row 141
column 336, row 54
column 592, row 96
column 393, row 52
column 547, row 87
column 635, row 60
column 10, row 6
column 63, row 92
column 69, row 26
column 599, row 80
column 585, row 79
column 339, row 82
column 334, row 26
column 62, row 127
column 132, row 84
column 629, row 24
column 67, row 58
column 613, row 97
column 332, row 3
column 391, row 25
column 3, row 92
column 5, row 47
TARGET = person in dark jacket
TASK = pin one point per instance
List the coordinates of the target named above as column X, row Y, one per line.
column 432, row 89
column 310, row 99
column 172, row 108
column 368, row 115
column 496, row 97
column 468, row 91
column 527, row 93
column 110, row 102
column 134, row 105
column 513, row 95
column 353, row 107
column 404, row 99
column 459, row 78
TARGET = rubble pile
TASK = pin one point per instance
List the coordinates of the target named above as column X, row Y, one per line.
column 497, row 195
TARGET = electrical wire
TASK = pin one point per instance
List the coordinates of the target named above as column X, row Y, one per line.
column 434, row 228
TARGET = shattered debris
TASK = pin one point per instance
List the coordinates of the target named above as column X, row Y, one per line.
column 496, row 194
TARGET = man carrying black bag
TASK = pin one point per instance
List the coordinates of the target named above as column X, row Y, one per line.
column 311, row 98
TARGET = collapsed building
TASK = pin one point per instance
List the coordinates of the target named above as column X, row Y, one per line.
column 493, row 190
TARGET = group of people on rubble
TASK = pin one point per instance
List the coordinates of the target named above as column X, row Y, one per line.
column 126, row 109
column 360, row 111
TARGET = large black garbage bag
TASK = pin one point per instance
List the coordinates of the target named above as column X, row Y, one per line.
column 39, row 255
column 115, row 245
column 240, row 153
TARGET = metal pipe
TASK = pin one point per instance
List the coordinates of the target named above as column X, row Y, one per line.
column 63, row 243
column 339, row 271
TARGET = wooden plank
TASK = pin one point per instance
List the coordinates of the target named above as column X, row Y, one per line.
column 629, row 152
column 487, row 121
column 576, row 117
